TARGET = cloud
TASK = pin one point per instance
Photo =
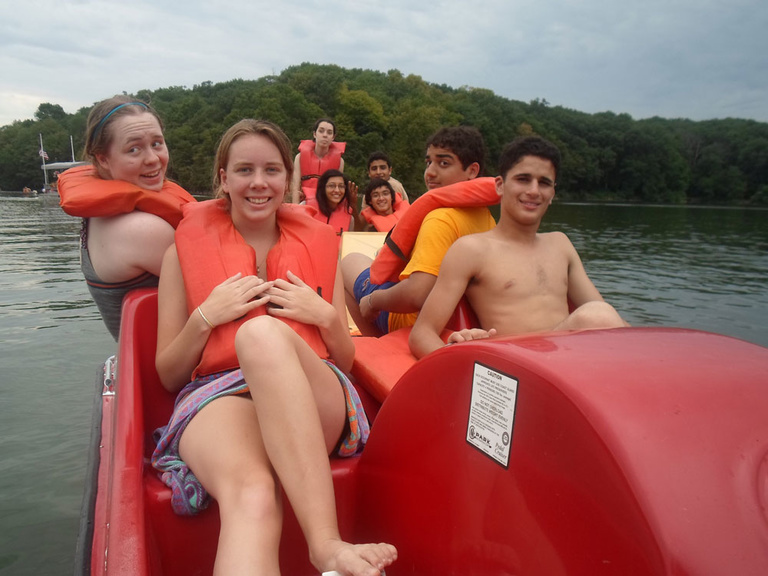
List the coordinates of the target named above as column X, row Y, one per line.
column 703, row 59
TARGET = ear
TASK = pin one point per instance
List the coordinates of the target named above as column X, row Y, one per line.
column 499, row 185
column 223, row 180
column 102, row 161
column 473, row 170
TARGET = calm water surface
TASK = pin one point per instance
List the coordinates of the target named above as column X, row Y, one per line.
column 691, row 267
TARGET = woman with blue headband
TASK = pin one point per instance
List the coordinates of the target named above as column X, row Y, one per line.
column 129, row 209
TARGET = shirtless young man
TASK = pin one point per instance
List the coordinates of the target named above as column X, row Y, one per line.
column 516, row 279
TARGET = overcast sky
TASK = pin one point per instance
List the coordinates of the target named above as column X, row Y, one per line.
column 697, row 59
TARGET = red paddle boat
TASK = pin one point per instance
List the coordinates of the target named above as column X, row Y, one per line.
column 615, row 452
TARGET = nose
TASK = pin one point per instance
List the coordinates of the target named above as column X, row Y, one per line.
column 151, row 156
column 429, row 171
column 257, row 179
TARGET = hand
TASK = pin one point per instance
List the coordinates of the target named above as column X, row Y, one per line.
column 235, row 297
column 366, row 309
column 470, row 334
column 353, row 189
column 298, row 301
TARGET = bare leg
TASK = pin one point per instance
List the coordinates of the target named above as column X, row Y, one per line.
column 351, row 267
column 223, row 446
column 301, row 410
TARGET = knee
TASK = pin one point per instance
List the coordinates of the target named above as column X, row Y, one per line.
column 256, row 497
column 351, row 266
column 594, row 315
column 261, row 333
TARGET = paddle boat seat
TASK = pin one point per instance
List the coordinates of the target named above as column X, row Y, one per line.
column 146, row 405
column 381, row 362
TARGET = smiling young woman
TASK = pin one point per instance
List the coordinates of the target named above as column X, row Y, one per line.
column 336, row 202
column 129, row 208
column 265, row 349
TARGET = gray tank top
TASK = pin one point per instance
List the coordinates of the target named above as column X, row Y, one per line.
column 108, row 296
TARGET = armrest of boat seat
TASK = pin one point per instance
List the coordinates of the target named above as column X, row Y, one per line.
column 380, row 362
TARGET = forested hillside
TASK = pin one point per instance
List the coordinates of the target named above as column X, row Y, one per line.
column 607, row 156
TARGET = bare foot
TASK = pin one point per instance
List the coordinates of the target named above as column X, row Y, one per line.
column 353, row 559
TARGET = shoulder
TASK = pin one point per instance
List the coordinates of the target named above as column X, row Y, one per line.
column 464, row 220
column 441, row 214
column 144, row 229
column 136, row 220
column 555, row 238
column 472, row 245
column 557, row 241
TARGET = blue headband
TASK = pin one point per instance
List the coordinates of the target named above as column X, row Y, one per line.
column 115, row 109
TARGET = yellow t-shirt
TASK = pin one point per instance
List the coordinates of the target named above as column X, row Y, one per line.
column 441, row 228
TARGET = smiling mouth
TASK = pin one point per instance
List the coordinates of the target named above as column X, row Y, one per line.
column 151, row 175
column 257, row 200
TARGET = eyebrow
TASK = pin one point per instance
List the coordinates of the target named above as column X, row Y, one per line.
column 442, row 156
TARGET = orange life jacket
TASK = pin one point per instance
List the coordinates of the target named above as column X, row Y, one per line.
column 340, row 219
column 312, row 167
column 396, row 251
column 83, row 193
column 387, row 222
column 211, row 250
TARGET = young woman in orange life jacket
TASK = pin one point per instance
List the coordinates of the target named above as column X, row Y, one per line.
column 128, row 207
column 268, row 352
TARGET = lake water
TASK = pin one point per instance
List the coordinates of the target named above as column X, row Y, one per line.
column 701, row 268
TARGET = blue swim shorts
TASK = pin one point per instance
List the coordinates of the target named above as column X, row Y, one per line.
column 363, row 287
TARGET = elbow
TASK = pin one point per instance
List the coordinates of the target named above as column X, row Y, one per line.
column 346, row 360
column 415, row 343
column 168, row 379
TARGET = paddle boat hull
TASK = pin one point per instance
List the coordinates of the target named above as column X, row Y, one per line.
column 617, row 452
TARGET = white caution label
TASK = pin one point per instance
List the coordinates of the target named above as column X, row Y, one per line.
column 492, row 412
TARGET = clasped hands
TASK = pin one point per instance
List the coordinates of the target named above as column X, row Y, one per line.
column 238, row 295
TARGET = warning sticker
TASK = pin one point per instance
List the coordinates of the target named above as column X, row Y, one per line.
column 492, row 412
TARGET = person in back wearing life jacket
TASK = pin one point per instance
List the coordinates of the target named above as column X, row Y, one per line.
column 380, row 166
column 129, row 208
column 315, row 157
column 336, row 202
column 383, row 206
column 516, row 279
column 455, row 205
column 253, row 336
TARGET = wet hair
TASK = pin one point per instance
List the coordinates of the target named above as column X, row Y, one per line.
column 331, row 122
column 464, row 141
column 322, row 197
column 98, row 126
column 373, row 185
column 250, row 127
column 379, row 155
column 528, row 146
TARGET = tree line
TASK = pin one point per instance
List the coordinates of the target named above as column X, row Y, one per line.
column 606, row 156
